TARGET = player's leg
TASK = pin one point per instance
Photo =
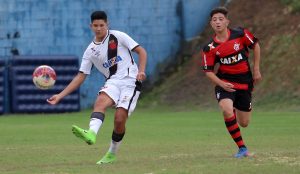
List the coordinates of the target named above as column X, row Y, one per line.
column 126, row 105
column 231, row 124
column 97, row 117
column 226, row 106
column 226, row 102
column 105, row 99
column 243, row 107
column 243, row 115
column 243, row 118
column 102, row 102
column 121, row 116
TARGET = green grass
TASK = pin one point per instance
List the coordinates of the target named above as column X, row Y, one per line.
column 156, row 142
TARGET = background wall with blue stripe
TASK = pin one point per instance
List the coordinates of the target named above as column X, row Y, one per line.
column 61, row 27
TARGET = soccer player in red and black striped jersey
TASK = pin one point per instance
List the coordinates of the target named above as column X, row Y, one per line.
column 234, row 79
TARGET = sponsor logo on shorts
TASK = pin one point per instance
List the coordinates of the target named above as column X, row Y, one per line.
column 218, row 95
column 125, row 99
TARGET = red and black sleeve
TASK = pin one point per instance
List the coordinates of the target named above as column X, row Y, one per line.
column 249, row 39
column 208, row 59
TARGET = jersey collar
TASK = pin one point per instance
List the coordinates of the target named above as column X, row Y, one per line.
column 98, row 43
column 219, row 42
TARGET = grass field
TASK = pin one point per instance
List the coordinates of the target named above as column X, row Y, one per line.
column 156, row 142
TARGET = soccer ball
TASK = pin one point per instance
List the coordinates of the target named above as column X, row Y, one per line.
column 44, row 77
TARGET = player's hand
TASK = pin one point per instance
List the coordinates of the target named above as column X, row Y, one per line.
column 256, row 76
column 141, row 76
column 227, row 86
column 53, row 100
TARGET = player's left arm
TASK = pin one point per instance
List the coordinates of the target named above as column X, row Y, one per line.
column 252, row 42
column 142, row 54
column 128, row 42
column 256, row 64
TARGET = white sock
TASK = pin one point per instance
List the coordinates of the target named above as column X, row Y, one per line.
column 114, row 146
column 95, row 124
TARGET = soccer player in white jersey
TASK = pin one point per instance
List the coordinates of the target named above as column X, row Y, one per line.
column 110, row 53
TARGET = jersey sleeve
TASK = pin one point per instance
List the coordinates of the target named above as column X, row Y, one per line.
column 86, row 63
column 249, row 39
column 127, row 41
column 208, row 59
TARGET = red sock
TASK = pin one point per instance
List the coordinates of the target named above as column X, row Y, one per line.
column 234, row 130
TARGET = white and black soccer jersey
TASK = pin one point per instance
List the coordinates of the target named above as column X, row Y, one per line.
column 112, row 57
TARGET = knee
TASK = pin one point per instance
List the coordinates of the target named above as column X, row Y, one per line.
column 119, row 121
column 119, row 125
column 227, row 111
column 244, row 123
column 99, row 108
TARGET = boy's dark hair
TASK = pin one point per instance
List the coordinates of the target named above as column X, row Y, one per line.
column 96, row 15
column 222, row 10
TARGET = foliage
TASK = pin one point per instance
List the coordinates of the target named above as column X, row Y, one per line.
column 293, row 4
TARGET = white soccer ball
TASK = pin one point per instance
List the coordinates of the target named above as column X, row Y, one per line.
column 44, row 77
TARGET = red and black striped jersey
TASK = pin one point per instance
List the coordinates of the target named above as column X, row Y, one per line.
column 232, row 55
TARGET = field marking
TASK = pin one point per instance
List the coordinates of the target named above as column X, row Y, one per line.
column 278, row 159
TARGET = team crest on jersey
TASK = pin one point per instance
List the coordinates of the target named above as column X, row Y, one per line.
column 111, row 62
column 236, row 46
column 112, row 44
column 231, row 60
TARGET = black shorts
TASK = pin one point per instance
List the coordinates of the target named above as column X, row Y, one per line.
column 241, row 98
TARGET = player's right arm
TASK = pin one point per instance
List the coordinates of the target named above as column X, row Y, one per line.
column 85, row 69
column 216, row 80
column 73, row 85
column 208, row 63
